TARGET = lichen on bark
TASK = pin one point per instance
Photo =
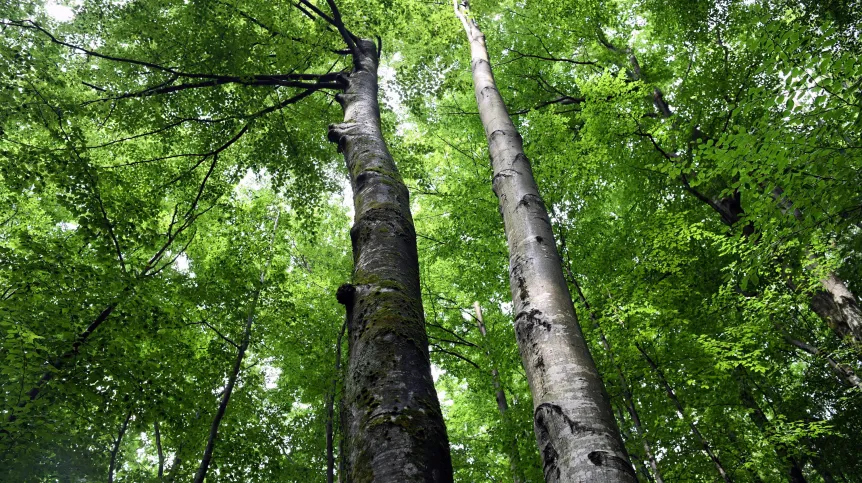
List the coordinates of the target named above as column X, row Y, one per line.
column 391, row 419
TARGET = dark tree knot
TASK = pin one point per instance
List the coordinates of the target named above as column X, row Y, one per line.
column 604, row 458
column 345, row 294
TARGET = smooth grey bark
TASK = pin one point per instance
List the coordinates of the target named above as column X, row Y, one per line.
column 237, row 367
column 392, row 422
column 500, row 395
column 576, row 432
column 680, row 411
column 116, row 448
column 330, row 409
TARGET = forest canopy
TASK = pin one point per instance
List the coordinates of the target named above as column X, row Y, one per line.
column 410, row 240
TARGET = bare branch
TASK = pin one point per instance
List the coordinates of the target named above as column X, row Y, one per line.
column 454, row 354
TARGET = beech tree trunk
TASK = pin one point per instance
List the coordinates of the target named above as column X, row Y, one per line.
column 575, row 428
column 392, row 422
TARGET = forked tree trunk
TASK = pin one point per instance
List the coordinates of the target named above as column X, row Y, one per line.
column 392, row 421
column 576, row 432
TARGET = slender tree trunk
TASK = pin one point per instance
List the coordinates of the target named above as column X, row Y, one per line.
column 837, row 306
column 680, row 411
column 237, row 366
column 844, row 372
column 823, row 471
column 392, row 420
column 627, row 392
column 330, row 410
column 159, row 450
column 116, row 449
column 175, row 465
column 834, row 303
column 59, row 363
column 577, row 435
column 502, row 404
column 794, row 471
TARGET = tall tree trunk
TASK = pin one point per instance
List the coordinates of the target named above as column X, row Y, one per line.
column 392, row 421
column 237, row 366
column 330, row 409
column 680, row 411
column 577, row 435
column 116, row 449
column 502, row 404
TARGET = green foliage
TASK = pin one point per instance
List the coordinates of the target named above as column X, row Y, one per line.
column 123, row 187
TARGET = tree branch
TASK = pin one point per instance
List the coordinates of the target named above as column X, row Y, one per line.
column 455, row 354
column 522, row 55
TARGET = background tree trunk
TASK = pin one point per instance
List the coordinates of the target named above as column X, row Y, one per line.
column 680, row 411
column 500, row 395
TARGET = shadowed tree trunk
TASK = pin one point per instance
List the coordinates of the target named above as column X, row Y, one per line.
column 844, row 372
column 626, row 387
column 159, row 450
column 392, row 422
column 794, row 471
column 116, row 449
column 834, row 303
column 330, row 410
column 577, row 435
